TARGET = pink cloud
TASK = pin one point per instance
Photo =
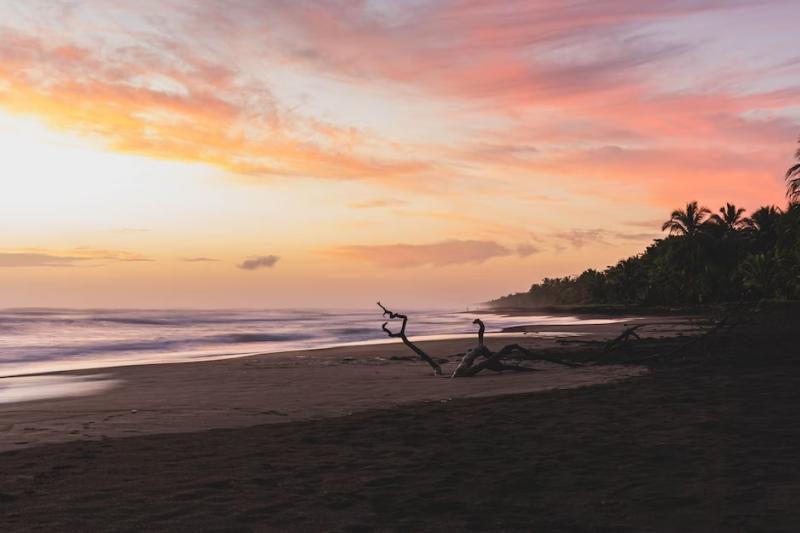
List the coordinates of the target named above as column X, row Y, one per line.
column 444, row 253
column 571, row 90
column 177, row 105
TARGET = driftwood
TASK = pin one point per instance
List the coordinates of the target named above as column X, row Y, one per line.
column 681, row 350
column 468, row 367
column 623, row 339
column 492, row 361
column 437, row 370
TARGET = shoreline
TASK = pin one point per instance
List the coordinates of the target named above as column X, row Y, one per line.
column 702, row 444
column 277, row 387
column 183, row 398
column 609, row 310
column 22, row 368
column 508, row 332
column 113, row 402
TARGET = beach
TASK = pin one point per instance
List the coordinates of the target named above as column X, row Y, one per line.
column 245, row 391
column 362, row 438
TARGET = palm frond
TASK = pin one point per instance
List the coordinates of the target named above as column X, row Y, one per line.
column 793, row 181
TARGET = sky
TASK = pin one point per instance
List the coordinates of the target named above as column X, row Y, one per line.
column 326, row 154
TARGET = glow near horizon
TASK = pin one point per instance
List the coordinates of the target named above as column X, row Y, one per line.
column 432, row 155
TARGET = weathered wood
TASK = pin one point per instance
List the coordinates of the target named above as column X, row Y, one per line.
column 531, row 356
column 681, row 350
column 468, row 366
column 494, row 360
column 473, row 353
column 437, row 370
column 622, row 340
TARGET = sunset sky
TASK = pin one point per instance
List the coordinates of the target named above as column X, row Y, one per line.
column 270, row 153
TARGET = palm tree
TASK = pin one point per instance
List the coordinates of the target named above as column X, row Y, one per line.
column 762, row 227
column 793, row 179
column 731, row 217
column 687, row 222
column 761, row 275
column 764, row 219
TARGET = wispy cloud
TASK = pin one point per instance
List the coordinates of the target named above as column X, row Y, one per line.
column 438, row 254
column 636, row 237
column 378, row 203
column 35, row 257
column 651, row 223
column 198, row 259
column 36, row 260
column 578, row 238
column 257, row 262
column 141, row 102
column 130, row 230
column 525, row 250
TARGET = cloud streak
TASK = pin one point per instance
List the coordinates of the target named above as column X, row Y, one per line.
column 578, row 238
column 378, row 203
column 35, row 257
column 438, row 254
column 258, row 262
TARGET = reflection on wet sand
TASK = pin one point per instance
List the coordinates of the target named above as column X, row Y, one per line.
column 29, row 388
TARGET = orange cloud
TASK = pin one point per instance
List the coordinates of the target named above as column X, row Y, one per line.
column 378, row 203
column 139, row 104
column 571, row 91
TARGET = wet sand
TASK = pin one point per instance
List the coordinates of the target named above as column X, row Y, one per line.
column 697, row 448
column 671, row 451
column 270, row 388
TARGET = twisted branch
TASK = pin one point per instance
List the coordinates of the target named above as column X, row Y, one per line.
column 621, row 341
column 437, row 370
column 481, row 330
column 467, row 367
column 494, row 360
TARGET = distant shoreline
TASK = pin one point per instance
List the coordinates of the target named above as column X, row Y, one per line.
column 599, row 311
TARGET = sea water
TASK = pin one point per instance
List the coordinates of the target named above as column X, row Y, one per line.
column 44, row 340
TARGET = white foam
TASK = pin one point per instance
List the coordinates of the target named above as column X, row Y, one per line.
column 30, row 388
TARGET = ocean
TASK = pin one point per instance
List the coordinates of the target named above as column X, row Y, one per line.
column 45, row 340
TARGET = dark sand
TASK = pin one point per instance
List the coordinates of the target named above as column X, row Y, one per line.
column 273, row 388
column 680, row 449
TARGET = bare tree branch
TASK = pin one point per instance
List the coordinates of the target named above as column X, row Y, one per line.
column 437, row 370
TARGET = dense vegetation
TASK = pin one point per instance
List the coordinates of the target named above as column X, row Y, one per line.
column 707, row 258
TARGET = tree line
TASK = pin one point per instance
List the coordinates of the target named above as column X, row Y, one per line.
column 707, row 257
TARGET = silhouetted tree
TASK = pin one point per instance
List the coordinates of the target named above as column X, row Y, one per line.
column 762, row 227
column 729, row 217
column 717, row 258
column 761, row 275
column 687, row 221
column 793, row 178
